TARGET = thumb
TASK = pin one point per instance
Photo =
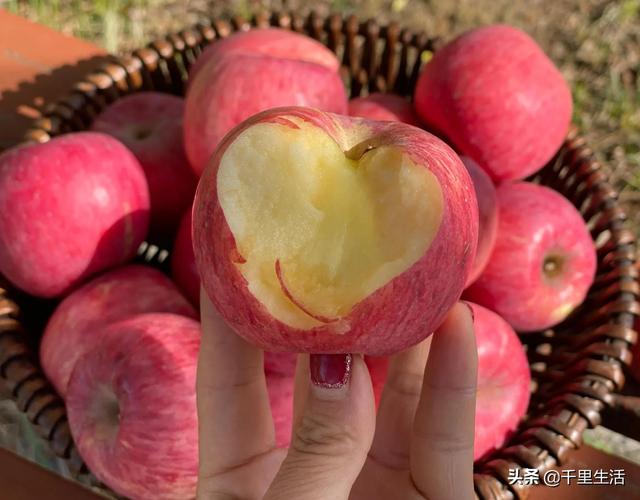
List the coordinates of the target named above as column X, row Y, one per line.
column 333, row 432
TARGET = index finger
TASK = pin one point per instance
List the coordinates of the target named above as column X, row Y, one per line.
column 234, row 416
column 443, row 432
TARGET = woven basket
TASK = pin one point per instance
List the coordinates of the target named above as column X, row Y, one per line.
column 577, row 367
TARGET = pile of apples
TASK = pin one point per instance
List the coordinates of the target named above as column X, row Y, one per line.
column 319, row 225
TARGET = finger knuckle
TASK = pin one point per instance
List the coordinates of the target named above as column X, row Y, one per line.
column 405, row 383
column 322, row 436
column 448, row 441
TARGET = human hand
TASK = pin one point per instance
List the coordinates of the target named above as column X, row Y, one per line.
column 419, row 447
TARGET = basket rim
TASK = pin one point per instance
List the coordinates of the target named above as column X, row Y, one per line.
column 541, row 442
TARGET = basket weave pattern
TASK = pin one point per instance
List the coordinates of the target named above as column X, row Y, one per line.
column 577, row 367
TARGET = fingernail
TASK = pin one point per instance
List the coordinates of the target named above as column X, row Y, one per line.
column 330, row 371
column 473, row 316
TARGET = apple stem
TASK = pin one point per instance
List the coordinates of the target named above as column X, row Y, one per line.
column 358, row 151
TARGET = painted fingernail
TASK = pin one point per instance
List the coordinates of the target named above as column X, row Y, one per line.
column 473, row 316
column 330, row 371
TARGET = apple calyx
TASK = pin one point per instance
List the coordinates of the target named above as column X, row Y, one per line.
column 106, row 413
column 142, row 132
column 553, row 265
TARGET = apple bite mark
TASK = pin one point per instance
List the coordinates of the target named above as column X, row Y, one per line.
column 320, row 225
column 286, row 291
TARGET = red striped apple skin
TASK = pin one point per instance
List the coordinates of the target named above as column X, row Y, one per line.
column 69, row 208
column 496, row 95
column 378, row 369
column 488, row 216
column 504, row 380
column 150, row 125
column 132, row 407
column 384, row 108
column 75, row 326
column 399, row 314
column 280, row 389
column 268, row 42
column 231, row 87
column 536, row 224
column 184, row 271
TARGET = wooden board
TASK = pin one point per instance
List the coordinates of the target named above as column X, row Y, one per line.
column 37, row 65
column 23, row 480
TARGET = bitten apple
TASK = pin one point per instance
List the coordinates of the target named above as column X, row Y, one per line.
column 543, row 261
column 315, row 232
column 150, row 125
column 488, row 213
column 384, row 108
column 496, row 95
column 504, row 380
column 183, row 262
column 239, row 80
column 132, row 407
column 76, row 323
column 69, row 208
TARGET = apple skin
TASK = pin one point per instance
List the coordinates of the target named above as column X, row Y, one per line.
column 280, row 363
column 132, row 407
column 150, row 125
column 76, row 323
column 504, row 381
column 378, row 369
column 232, row 86
column 280, row 389
column 488, row 212
column 496, row 95
column 384, row 108
column 69, row 208
column 184, row 271
column 269, row 42
column 399, row 314
column 535, row 223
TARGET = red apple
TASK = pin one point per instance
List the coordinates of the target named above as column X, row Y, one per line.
column 183, row 262
column 543, row 262
column 280, row 363
column 384, row 108
column 76, row 323
column 150, row 125
column 496, row 95
column 241, row 81
column 504, row 381
column 132, row 407
column 69, row 208
column 488, row 212
column 315, row 232
column 280, row 389
column 378, row 368
column 269, row 42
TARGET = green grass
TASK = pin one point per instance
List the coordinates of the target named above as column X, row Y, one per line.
column 596, row 44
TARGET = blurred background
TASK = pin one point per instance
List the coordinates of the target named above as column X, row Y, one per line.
column 596, row 43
